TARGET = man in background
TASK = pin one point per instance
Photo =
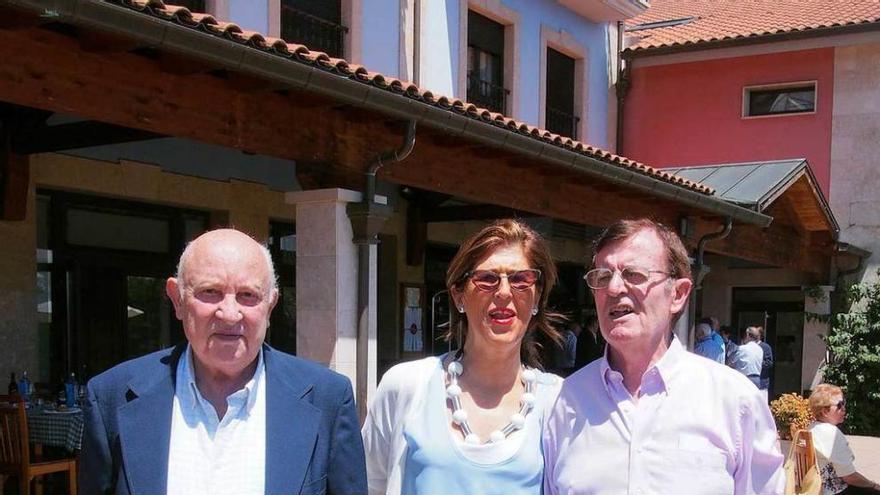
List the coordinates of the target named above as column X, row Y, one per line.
column 705, row 345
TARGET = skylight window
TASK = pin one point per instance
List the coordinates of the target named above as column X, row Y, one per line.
column 662, row 24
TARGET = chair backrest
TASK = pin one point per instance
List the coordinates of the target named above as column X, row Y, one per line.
column 801, row 467
column 14, row 448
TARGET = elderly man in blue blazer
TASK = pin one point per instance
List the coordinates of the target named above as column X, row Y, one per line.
column 222, row 413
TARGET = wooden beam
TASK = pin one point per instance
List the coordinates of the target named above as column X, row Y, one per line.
column 777, row 245
column 132, row 91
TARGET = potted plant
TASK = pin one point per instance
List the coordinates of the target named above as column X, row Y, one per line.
column 791, row 413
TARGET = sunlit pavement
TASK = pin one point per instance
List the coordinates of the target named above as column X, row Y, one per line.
column 867, row 451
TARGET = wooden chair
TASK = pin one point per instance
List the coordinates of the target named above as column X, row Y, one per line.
column 801, row 469
column 15, row 452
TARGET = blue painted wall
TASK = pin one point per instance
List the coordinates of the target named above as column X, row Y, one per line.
column 250, row 15
column 533, row 13
column 438, row 64
column 381, row 36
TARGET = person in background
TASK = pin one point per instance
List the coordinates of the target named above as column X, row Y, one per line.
column 469, row 422
column 705, row 345
column 834, row 456
column 749, row 357
column 715, row 335
column 564, row 355
column 766, row 362
column 729, row 346
column 650, row 417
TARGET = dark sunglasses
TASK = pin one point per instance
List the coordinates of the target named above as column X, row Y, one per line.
column 487, row 280
column 840, row 405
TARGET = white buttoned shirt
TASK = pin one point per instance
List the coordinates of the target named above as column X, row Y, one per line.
column 211, row 456
column 696, row 428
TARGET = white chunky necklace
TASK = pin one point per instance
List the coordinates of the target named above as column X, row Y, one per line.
column 459, row 416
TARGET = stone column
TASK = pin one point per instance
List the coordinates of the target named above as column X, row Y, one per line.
column 326, row 279
column 814, row 329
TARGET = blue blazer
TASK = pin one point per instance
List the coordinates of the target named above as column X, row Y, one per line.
column 313, row 441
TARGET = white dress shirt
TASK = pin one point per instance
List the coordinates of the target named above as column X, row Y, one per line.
column 211, row 456
column 697, row 428
column 748, row 359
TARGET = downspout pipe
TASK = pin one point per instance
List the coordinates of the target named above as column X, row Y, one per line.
column 699, row 271
column 388, row 157
column 367, row 218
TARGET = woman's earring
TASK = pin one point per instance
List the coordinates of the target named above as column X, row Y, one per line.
column 461, row 309
column 534, row 311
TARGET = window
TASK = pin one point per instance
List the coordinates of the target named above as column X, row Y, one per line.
column 779, row 100
column 316, row 24
column 560, row 106
column 485, row 63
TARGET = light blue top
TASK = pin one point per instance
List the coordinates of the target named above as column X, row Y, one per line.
column 710, row 348
column 435, row 463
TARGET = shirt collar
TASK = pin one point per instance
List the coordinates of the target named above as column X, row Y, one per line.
column 665, row 367
column 189, row 395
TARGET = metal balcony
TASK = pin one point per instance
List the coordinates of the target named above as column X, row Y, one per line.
column 487, row 94
column 314, row 32
column 562, row 123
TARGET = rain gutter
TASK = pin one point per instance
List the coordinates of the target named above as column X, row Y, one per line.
column 165, row 35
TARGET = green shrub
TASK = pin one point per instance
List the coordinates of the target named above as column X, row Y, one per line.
column 790, row 410
column 854, row 357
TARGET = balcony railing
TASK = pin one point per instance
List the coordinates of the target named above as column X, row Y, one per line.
column 562, row 123
column 487, row 94
column 314, row 32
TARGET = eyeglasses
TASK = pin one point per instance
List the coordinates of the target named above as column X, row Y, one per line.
column 600, row 278
column 840, row 405
column 487, row 280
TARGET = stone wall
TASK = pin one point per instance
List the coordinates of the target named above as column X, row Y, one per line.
column 855, row 148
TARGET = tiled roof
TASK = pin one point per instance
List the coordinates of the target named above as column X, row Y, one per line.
column 301, row 54
column 703, row 21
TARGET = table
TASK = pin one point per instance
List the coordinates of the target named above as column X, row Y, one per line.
column 56, row 428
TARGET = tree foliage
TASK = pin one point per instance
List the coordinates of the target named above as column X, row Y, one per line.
column 854, row 357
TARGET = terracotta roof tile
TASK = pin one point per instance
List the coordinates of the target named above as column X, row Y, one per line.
column 301, row 54
column 703, row 21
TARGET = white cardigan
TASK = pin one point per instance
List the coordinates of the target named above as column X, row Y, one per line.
column 399, row 395
column 401, row 387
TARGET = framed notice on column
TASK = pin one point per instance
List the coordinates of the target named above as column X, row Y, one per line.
column 412, row 303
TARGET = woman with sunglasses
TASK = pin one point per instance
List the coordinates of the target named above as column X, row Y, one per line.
column 470, row 421
column 839, row 474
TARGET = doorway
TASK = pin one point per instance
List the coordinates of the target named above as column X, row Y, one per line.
column 780, row 310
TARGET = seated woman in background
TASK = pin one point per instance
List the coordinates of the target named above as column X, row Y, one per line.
column 470, row 421
column 839, row 475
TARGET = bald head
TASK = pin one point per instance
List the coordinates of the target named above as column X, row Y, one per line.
column 229, row 242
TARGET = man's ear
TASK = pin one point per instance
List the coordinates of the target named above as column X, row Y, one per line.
column 172, row 289
column 273, row 300
column 681, row 291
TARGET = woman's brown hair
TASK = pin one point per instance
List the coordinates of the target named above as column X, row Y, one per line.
column 480, row 246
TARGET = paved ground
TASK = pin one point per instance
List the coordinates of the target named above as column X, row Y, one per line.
column 867, row 451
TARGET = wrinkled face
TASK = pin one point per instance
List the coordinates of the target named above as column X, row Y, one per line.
column 638, row 316
column 835, row 415
column 226, row 302
column 498, row 317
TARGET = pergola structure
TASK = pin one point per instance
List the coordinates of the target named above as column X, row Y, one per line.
column 136, row 70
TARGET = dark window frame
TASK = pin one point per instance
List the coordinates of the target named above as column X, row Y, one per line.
column 771, row 93
column 559, row 120
column 486, row 91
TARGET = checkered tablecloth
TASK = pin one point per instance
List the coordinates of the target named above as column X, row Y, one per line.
column 58, row 429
